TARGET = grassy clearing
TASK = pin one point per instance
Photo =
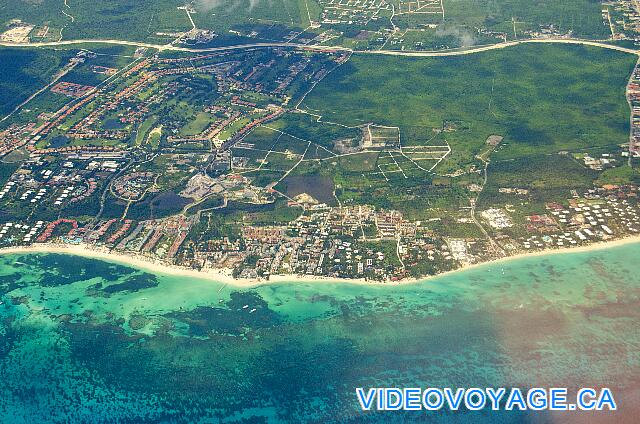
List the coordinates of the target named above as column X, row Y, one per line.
column 262, row 138
column 143, row 130
column 620, row 175
column 305, row 127
column 197, row 125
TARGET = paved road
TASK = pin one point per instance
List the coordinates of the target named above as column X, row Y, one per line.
column 479, row 49
column 472, row 50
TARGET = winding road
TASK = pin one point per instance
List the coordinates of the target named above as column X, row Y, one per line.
column 443, row 53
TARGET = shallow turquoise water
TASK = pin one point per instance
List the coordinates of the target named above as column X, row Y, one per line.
column 89, row 341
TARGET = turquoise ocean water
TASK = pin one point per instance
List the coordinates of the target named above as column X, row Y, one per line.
column 87, row 341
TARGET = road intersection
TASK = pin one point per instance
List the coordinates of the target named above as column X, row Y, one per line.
column 443, row 53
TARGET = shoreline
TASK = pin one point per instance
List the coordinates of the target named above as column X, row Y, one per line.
column 224, row 276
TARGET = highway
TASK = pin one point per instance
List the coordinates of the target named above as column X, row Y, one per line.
column 485, row 48
column 443, row 53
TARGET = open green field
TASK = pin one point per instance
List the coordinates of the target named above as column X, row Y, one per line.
column 582, row 17
column 196, row 126
column 541, row 99
column 306, row 128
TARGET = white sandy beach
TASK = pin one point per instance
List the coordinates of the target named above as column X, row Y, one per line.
column 224, row 276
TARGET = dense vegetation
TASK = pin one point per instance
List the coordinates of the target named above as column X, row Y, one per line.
column 144, row 19
column 542, row 99
column 23, row 72
column 274, row 19
column 581, row 17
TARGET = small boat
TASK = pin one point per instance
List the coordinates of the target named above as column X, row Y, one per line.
column 253, row 310
column 245, row 306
